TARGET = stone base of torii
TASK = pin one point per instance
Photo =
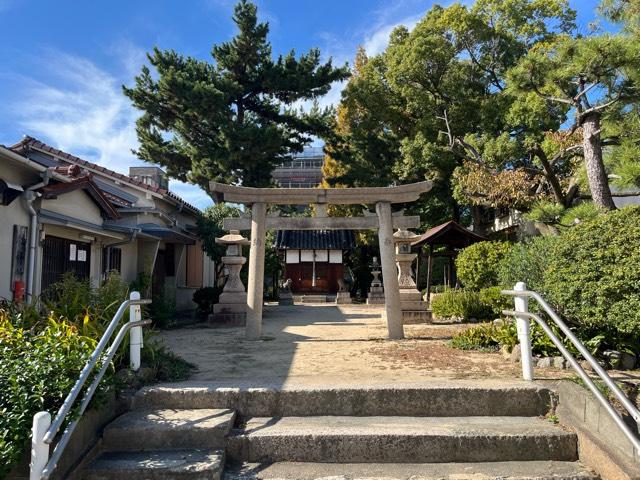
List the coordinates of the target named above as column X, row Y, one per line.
column 384, row 221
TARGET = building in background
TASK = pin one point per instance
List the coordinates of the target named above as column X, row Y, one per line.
column 304, row 170
column 62, row 213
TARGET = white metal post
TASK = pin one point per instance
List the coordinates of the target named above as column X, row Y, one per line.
column 135, row 335
column 523, row 325
column 39, row 449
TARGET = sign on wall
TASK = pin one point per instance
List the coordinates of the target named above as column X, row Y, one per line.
column 19, row 255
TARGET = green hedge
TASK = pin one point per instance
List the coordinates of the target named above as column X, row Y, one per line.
column 477, row 265
column 593, row 274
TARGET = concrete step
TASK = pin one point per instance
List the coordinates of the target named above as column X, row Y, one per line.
column 450, row 399
column 312, row 298
column 157, row 465
column 400, row 440
column 167, row 429
column 532, row 470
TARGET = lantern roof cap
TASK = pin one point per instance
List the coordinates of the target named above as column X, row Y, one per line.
column 232, row 237
column 405, row 236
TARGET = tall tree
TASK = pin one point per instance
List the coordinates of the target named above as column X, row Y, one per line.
column 592, row 76
column 436, row 102
column 232, row 120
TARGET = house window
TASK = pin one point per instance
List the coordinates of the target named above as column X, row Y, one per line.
column 195, row 264
column 111, row 259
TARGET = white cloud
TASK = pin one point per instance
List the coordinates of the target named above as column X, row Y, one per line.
column 81, row 109
column 377, row 42
column 191, row 194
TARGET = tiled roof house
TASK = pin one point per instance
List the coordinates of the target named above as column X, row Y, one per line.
column 62, row 213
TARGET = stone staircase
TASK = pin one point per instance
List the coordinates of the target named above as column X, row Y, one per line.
column 425, row 431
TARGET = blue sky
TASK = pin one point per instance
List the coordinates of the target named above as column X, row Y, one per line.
column 62, row 62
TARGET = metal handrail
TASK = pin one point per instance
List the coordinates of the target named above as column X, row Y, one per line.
column 64, row 410
column 604, row 376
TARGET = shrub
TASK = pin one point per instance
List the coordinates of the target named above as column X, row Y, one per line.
column 459, row 304
column 545, row 212
column 37, row 371
column 495, row 301
column 526, row 262
column 491, row 336
column 480, row 337
column 593, row 277
column 162, row 310
column 477, row 265
column 206, row 298
column 583, row 212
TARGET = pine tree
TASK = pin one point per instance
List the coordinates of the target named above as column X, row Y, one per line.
column 232, row 120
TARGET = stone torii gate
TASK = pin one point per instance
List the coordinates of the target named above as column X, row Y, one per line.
column 384, row 221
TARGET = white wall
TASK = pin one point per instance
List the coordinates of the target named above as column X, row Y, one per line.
column 10, row 215
column 13, row 214
column 76, row 204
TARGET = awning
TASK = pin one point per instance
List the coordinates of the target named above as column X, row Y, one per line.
column 167, row 233
column 53, row 218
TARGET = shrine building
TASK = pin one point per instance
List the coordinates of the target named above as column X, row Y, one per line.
column 314, row 259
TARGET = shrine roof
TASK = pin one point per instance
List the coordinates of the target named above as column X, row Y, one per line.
column 450, row 233
column 315, row 239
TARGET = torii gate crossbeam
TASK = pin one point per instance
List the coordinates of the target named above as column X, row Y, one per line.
column 382, row 197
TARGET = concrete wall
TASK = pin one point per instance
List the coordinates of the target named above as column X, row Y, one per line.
column 602, row 444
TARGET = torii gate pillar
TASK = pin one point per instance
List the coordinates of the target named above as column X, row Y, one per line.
column 256, row 271
column 389, row 272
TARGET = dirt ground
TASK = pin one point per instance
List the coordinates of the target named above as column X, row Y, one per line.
column 321, row 344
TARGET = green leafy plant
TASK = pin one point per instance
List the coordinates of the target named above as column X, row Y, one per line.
column 477, row 265
column 37, row 371
column 491, row 298
column 593, row 275
column 479, row 337
column 162, row 310
column 206, row 298
column 583, row 212
column 459, row 304
column 545, row 212
column 526, row 262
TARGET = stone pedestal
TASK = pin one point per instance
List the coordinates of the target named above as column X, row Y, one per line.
column 414, row 308
column 376, row 291
column 343, row 298
column 231, row 308
column 285, row 297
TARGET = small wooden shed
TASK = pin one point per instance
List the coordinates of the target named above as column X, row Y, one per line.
column 453, row 237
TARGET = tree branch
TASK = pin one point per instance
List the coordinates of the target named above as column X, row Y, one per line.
column 597, row 108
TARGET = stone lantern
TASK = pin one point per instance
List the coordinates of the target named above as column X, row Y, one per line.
column 376, row 292
column 232, row 306
column 414, row 309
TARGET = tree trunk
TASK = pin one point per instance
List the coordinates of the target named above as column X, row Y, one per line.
column 592, row 146
column 551, row 177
